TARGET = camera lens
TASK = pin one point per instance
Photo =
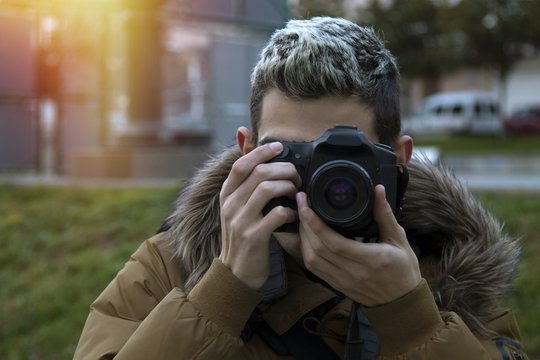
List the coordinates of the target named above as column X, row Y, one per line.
column 340, row 193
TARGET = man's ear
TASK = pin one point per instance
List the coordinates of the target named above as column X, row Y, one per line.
column 403, row 149
column 244, row 139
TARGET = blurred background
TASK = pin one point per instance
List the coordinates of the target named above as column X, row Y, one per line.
column 128, row 89
column 107, row 106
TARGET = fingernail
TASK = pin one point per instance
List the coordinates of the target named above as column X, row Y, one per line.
column 300, row 199
column 303, row 208
column 276, row 146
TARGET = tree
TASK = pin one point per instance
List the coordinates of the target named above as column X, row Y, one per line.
column 414, row 33
column 310, row 8
column 496, row 33
column 434, row 37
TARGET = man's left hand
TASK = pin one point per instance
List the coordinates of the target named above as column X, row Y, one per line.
column 368, row 273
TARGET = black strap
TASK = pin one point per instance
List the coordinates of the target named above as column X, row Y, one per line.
column 276, row 283
column 362, row 342
column 297, row 342
column 306, row 345
column 402, row 182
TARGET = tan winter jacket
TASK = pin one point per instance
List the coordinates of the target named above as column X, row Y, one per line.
column 175, row 300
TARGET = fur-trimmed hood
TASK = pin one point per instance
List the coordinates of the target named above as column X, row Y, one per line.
column 465, row 257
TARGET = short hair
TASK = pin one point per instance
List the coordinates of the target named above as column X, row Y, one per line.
column 325, row 56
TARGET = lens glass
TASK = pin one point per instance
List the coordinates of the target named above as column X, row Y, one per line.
column 340, row 193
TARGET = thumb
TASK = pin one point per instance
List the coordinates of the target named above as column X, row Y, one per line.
column 389, row 229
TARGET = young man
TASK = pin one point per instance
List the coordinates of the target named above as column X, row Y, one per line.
column 428, row 288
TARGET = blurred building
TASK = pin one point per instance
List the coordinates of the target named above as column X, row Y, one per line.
column 522, row 87
column 126, row 88
column 19, row 130
column 148, row 88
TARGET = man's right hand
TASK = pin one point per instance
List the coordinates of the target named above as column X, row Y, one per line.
column 245, row 232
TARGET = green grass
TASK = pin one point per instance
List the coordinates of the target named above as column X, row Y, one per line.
column 61, row 246
column 520, row 213
column 59, row 249
column 486, row 145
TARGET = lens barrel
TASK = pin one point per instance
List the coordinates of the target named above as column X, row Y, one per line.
column 341, row 193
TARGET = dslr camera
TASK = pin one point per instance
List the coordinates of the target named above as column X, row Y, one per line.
column 339, row 172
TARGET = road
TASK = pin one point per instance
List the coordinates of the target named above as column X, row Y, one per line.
column 491, row 173
column 496, row 172
column 502, row 182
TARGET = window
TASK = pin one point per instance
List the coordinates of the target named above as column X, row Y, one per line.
column 457, row 110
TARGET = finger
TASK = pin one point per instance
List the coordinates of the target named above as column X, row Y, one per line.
column 243, row 167
column 268, row 190
column 389, row 229
column 251, row 212
column 271, row 171
column 278, row 216
column 311, row 256
column 325, row 240
column 323, row 263
column 322, row 239
column 262, row 181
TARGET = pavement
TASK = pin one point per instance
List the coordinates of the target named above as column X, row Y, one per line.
column 495, row 172
column 66, row 181
column 501, row 182
column 491, row 173
column 475, row 181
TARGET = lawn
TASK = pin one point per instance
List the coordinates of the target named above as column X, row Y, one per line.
column 61, row 246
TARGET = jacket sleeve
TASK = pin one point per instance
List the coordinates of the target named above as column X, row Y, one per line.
column 140, row 315
column 413, row 328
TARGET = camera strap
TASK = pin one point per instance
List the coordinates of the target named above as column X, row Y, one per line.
column 300, row 341
column 362, row 342
column 402, row 182
column 275, row 285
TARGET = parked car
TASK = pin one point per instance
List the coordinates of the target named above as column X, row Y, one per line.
column 467, row 112
column 524, row 121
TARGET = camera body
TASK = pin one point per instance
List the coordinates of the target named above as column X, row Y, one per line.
column 339, row 172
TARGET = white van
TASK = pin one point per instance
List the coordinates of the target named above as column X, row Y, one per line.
column 467, row 112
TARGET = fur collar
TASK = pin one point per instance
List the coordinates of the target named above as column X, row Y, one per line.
column 466, row 259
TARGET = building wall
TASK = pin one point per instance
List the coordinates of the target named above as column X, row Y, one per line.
column 18, row 104
column 523, row 86
column 208, row 51
column 226, row 39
